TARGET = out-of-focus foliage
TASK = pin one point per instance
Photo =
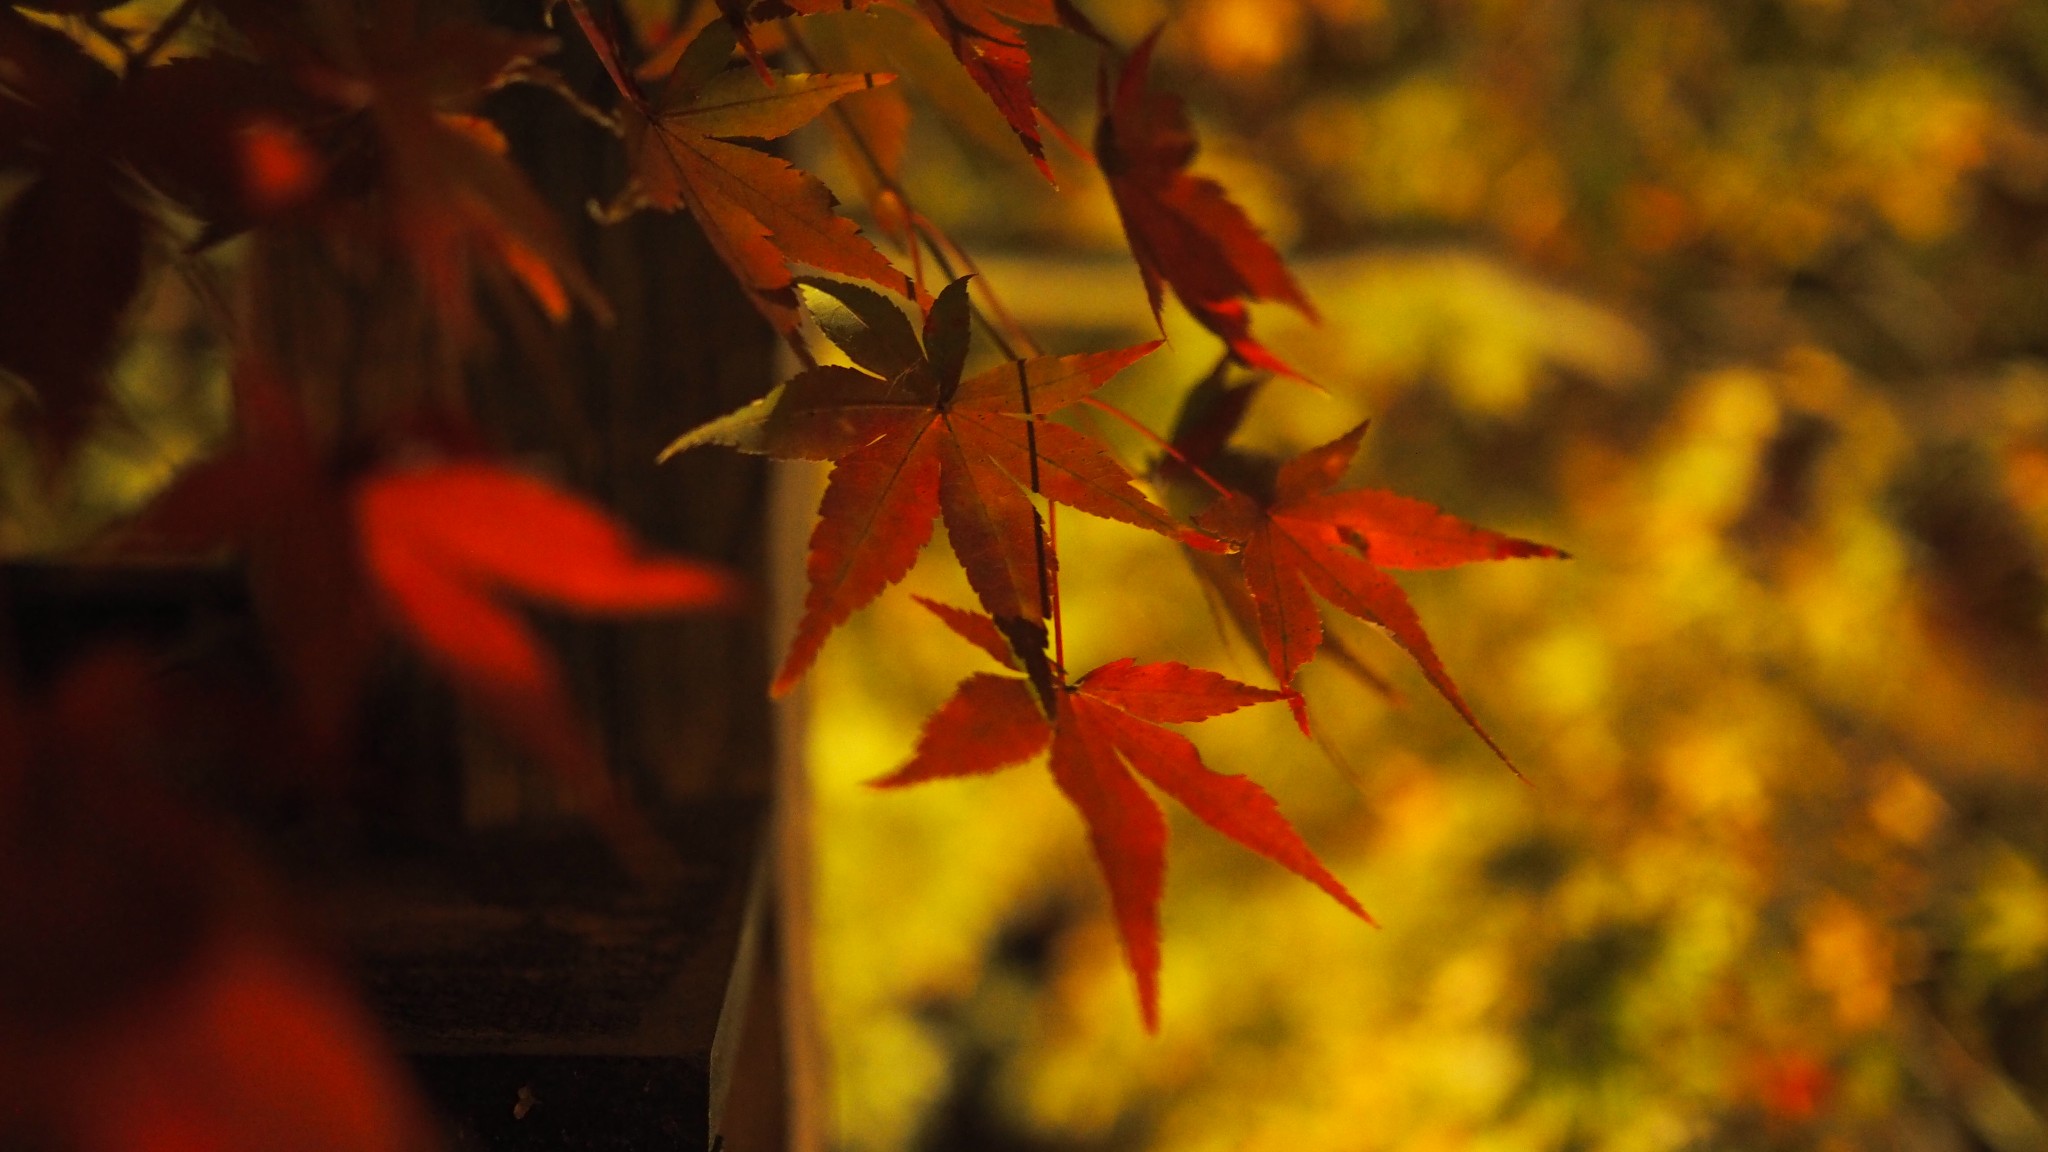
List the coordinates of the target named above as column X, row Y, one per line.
column 167, row 403
column 1744, row 303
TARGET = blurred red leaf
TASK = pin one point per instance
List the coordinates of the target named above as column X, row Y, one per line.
column 993, row 51
column 255, row 1049
column 400, row 94
column 438, row 548
column 443, row 545
column 1792, row 1085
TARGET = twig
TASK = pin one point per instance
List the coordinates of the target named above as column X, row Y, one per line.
column 1052, row 566
column 1161, row 442
column 995, row 302
column 921, row 225
column 1042, row 535
column 550, row 80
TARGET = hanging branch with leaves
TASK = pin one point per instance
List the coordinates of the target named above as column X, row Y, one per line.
column 359, row 124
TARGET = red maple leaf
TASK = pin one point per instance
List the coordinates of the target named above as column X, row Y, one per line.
column 687, row 147
column 996, row 58
column 1102, row 728
column 1297, row 535
column 1183, row 229
column 911, row 442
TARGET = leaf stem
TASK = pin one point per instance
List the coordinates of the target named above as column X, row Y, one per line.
column 1046, row 533
column 1161, row 442
column 551, row 81
column 921, row 226
column 1059, row 632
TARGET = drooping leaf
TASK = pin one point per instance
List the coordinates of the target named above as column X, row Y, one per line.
column 1127, row 831
column 995, row 56
column 984, row 36
column 1103, row 728
column 1183, row 229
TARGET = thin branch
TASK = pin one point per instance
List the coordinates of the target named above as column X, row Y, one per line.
column 551, row 81
column 1059, row 634
column 1043, row 536
column 921, row 225
column 1161, row 442
column 935, row 237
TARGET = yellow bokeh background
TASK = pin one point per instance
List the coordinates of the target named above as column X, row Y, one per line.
column 1743, row 305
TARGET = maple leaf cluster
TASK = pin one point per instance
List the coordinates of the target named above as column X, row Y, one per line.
column 913, row 440
column 359, row 126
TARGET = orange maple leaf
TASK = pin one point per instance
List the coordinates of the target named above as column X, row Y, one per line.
column 760, row 213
